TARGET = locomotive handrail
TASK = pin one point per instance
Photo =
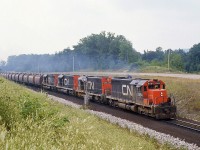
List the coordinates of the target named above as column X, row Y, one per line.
column 172, row 101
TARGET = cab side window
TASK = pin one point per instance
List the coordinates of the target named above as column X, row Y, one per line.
column 145, row 88
column 151, row 86
column 163, row 86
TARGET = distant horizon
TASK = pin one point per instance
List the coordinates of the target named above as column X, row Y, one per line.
column 142, row 52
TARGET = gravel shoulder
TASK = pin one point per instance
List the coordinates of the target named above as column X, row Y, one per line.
column 161, row 137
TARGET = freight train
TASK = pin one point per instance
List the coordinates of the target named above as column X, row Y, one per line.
column 143, row 96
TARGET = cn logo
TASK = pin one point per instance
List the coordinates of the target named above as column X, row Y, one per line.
column 66, row 81
column 90, row 85
column 126, row 90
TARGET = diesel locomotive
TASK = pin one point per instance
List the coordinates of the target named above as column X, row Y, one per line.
column 143, row 96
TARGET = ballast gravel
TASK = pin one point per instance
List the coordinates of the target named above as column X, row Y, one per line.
column 133, row 127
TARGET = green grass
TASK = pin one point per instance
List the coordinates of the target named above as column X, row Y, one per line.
column 29, row 120
column 157, row 69
column 186, row 93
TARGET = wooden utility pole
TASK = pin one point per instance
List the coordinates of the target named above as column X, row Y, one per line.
column 168, row 59
column 73, row 63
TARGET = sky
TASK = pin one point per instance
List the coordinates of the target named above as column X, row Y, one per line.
column 49, row 26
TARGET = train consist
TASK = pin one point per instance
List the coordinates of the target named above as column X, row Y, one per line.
column 143, row 96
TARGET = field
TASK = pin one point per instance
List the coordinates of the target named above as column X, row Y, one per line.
column 29, row 120
column 153, row 69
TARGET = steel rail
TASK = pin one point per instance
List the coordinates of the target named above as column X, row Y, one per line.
column 185, row 124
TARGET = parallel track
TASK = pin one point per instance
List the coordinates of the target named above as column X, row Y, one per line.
column 167, row 127
column 179, row 122
column 185, row 124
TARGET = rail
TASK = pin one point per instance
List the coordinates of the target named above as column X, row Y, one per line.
column 185, row 124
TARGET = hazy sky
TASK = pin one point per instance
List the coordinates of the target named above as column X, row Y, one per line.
column 47, row 26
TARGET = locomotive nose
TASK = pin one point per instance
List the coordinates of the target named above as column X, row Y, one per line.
column 158, row 96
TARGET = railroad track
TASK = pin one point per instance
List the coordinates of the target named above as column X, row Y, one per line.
column 167, row 127
column 193, row 126
column 185, row 124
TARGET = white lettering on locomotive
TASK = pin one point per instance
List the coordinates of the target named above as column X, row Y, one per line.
column 90, row 85
column 66, row 81
column 126, row 90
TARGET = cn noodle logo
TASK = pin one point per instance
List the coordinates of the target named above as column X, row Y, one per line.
column 66, row 81
column 90, row 85
column 126, row 90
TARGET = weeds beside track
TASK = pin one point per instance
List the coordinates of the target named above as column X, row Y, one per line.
column 30, row 120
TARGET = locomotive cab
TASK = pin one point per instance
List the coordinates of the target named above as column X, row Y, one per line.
column 152, row 95
column 156, row 92
column 157, row 97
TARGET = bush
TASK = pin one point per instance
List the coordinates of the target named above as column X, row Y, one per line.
column 30, row 108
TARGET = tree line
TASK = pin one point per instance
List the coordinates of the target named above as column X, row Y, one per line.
column 105, row 51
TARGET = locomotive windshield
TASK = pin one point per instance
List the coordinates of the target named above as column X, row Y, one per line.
column 154, row 86
column 157, row 85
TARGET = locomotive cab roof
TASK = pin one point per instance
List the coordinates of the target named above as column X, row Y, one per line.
column 60, row 76
column 45, row 75
column 138, row 82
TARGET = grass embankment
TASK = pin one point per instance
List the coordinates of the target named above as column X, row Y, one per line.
column 186, row 93
column 157, row 69
column 29, row 120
